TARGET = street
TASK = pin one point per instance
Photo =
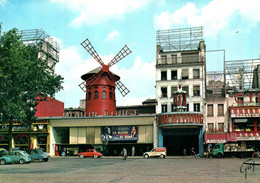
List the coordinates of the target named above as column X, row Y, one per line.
column 114, row 169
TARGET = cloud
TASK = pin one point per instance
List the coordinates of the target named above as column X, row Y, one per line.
column 3, row 2
column 93, row 12
column 139, row 79
column 214, row 16
column 112, row 35
column 72, row 65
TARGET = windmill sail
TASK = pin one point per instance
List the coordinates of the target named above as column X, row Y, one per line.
column 121, row 54
column 91, row 50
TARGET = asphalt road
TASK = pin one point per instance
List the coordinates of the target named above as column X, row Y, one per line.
column 134, row 170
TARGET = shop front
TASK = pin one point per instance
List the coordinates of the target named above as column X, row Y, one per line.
column 245, row 126
column 21, row 133
column 108, row 135
column 179, row 132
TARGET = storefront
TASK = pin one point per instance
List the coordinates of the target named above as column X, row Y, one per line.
column 181, row 131
column 245, row 126
column 107, row 134
column 39, row 132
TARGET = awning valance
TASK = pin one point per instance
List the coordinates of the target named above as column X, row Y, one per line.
column 215, row 138
column 248, row 136
column 244, row 112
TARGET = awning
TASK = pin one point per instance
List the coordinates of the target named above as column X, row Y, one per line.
column 215, row 138
column 244, row 112
column 248, row 136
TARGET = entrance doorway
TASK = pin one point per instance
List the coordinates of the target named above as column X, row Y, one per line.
column 175, row 144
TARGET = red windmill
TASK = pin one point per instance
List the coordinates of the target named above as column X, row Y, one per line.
column 99, row 84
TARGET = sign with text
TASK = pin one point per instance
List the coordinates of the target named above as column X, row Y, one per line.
column 119, row 133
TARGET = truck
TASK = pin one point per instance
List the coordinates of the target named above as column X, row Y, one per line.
column 156, row 152
column 220, row 150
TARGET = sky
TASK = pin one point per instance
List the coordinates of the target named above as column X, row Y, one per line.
column 232, row 25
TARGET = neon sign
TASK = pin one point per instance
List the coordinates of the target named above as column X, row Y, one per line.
column 242, row 95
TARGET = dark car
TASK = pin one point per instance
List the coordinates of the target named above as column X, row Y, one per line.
column 38, row 154
column 90, row 153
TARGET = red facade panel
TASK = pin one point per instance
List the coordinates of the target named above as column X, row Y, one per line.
column 50, row 107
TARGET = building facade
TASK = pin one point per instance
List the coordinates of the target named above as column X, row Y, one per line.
column 181, row 60
column 107, row 134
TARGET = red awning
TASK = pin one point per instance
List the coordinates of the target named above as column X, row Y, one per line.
column 245, row 112
column 248, row 136
column 215, row 138
column 232, row 137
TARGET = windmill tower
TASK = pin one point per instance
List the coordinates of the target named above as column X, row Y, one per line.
column 100, row 83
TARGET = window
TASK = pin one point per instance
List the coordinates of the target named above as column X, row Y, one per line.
column 196, row 73
column 163, row 75
column 196, row 107
column 174, row 59
column 164, row 108
column 89, row 95
column 211, row 127
column 196, row 90
column 185, row 74
column 221, row 127
column 243, row 124
column 220, row 109
column 186, row 88
column 164, row 59
column 173, row 89
column 210, row 109
column 164, row 92
column 188, row 107
column 174, row 75
column 110, row 96
column 95, row 94
column 104, row 94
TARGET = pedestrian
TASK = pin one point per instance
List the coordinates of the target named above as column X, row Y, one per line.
column 67, row 152
column 124, row 153
column 194, row 153
column 184, row 152
column 133, row 150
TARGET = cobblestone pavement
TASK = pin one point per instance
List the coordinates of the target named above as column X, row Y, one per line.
column 134, row 170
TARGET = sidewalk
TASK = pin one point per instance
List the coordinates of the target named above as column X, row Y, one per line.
column 133, row 157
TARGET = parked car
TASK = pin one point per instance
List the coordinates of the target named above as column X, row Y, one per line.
column 38, row 154
column 3, row 152
column 16, row 156
column 90, row 153
column 156, row 152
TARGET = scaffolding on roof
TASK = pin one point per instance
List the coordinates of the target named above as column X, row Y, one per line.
column 179, row 39
column 48, row 47
column 242, row 74
column 215, row 83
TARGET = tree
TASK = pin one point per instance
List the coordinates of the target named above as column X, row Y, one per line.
column 23, row 78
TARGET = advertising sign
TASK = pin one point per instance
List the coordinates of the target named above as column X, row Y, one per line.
column 119, row 133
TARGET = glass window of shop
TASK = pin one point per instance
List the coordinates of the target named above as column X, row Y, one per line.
column 243, row 125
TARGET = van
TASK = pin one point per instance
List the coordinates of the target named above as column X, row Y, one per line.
column 156, row 152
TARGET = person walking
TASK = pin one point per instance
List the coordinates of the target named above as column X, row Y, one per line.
column 133, row 150
column 124, row 153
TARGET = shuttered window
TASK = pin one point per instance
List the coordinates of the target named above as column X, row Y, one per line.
column 220, row 109
column 210, row 109
column 185, row 74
